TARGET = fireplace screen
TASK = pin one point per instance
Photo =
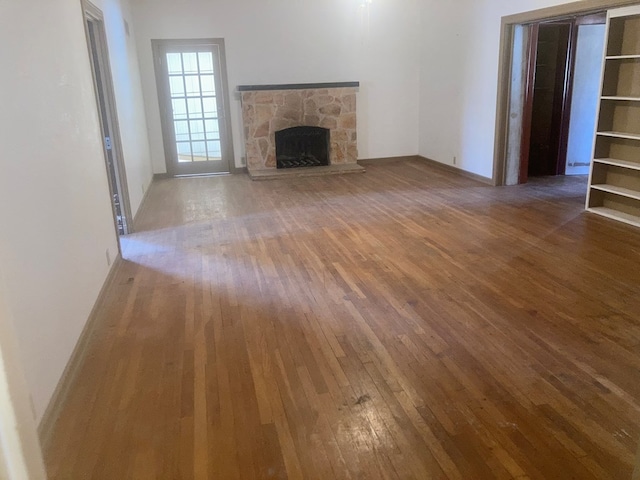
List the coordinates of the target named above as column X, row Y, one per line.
column 302, row 147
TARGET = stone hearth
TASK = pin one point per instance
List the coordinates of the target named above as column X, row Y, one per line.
column 271, row 108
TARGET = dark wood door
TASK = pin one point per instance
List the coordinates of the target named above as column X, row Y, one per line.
column 548, row 98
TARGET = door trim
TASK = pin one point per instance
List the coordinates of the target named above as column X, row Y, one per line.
column 505, row 66
column 527, row 111
column 166, row 116
column 93, row 14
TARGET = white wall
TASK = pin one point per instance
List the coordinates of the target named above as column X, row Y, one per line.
column 458, row 84
column 129, row 100
column 20, row 455
column 57, row 221
column 444, row 61
column 293, row 41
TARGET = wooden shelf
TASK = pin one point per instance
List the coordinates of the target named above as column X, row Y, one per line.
column 622, row 57
column 628, row 136
column 621, row 99
column 616, row 215
column 624, row 192
column 618, row 163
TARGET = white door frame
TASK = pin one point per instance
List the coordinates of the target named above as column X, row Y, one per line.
column 216, row 45
column 112, row 147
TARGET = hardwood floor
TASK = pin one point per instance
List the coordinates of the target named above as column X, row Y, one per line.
column 401, row 324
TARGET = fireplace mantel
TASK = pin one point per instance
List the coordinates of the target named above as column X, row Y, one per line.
column 267, row 109
column 297, row 86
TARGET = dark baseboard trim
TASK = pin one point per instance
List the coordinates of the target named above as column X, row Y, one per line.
column 385, row 160
column 161, row 176
column 59, row 397
column 457, row 171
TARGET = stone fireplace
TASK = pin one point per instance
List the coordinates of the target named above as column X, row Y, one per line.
column 270, row 111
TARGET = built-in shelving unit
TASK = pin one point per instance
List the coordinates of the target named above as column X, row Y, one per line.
column 614, row 182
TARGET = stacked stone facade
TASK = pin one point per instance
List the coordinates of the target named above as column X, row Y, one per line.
column 265, row 112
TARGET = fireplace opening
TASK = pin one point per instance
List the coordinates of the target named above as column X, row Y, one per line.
column 302, row 147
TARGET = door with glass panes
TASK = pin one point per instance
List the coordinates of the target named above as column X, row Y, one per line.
column 194, row 106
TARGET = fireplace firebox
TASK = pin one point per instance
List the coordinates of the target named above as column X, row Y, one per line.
column 302, row 147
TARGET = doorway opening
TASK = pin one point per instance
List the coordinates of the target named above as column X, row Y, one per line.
column 560, row 75
column 193, row 97
column 105, row 99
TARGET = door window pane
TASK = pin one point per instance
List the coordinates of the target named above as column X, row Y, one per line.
column 208, row 85
column 212, row 128
column 197, row 130
column 199, row 151
column 195, row 107
column 179, row 109
column 192, row 84
column 174, row 63
column 176, row 86
column 184, row 151
column 210, row 107
column 206, row 62
column 190, row 62
column 182, row 131
column 214, row 150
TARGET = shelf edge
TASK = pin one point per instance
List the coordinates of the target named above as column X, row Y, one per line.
column 620, row 191
column 618, row 163
column 616, row 215
column 627, row 136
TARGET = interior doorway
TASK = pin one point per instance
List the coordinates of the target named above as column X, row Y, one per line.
column 105, row 99
column 562, row 81
column 547, row 115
